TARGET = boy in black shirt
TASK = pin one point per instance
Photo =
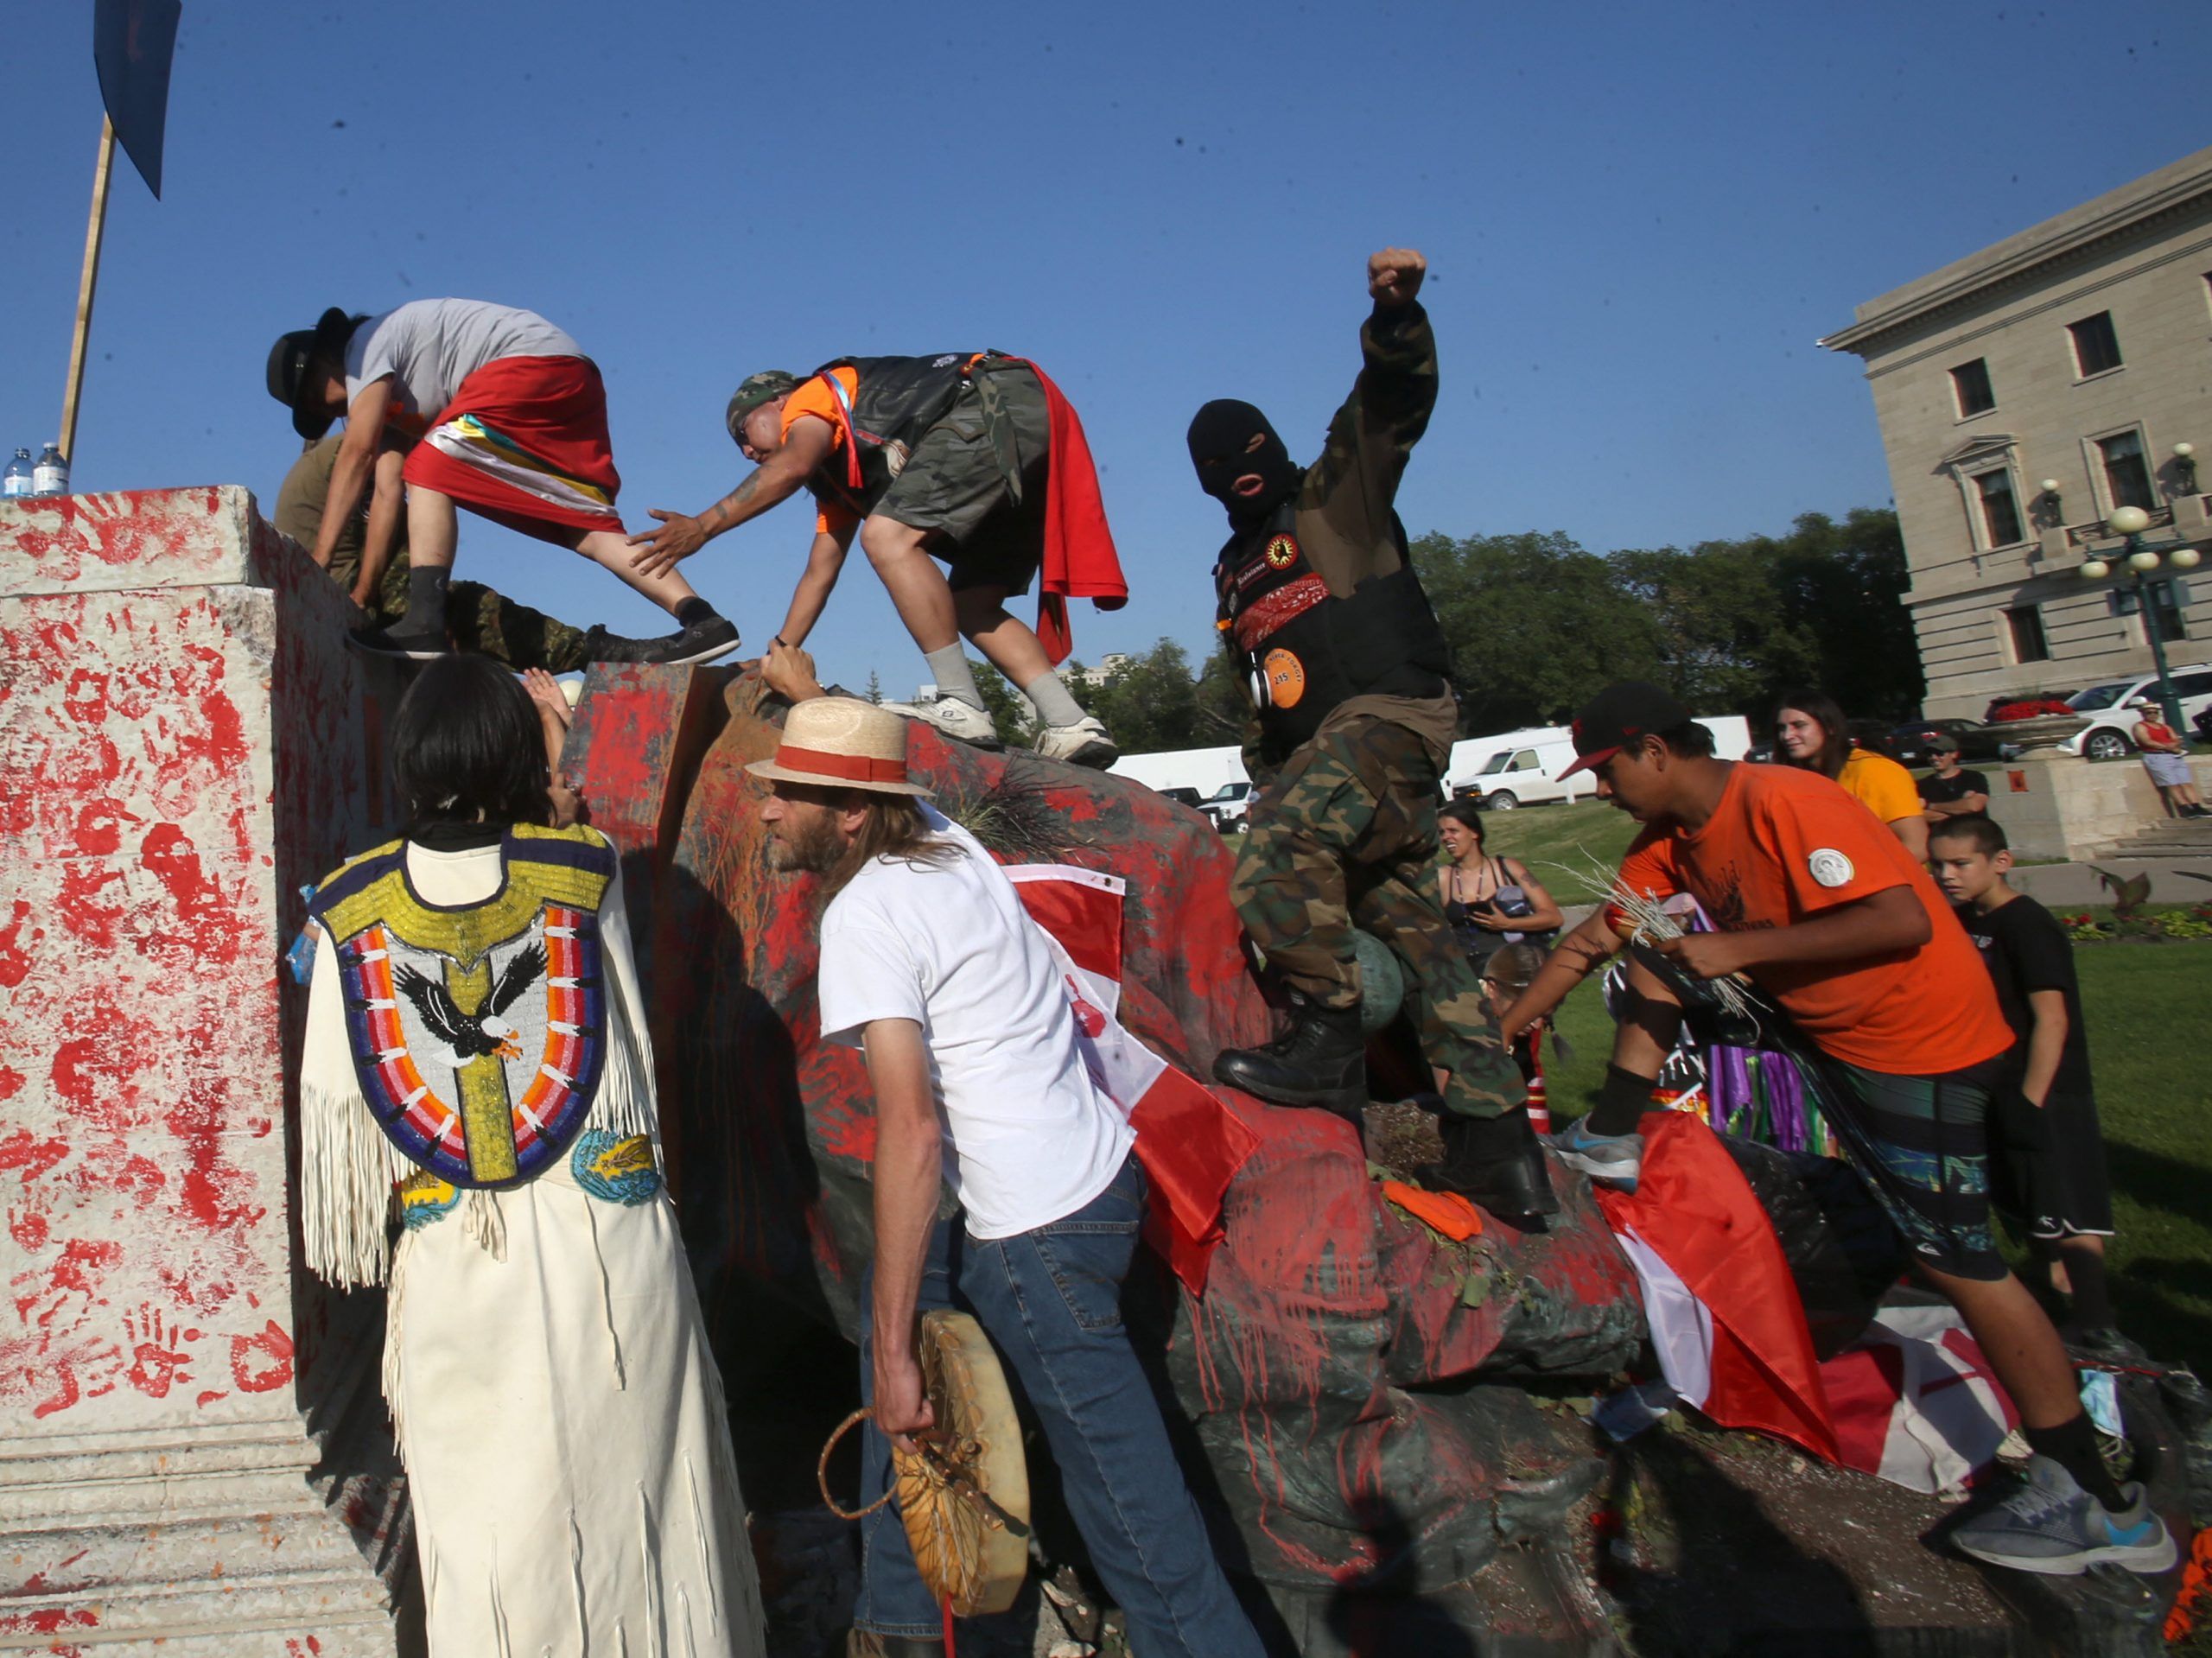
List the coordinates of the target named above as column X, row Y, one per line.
column 2047, row 1157
column 1949, row 791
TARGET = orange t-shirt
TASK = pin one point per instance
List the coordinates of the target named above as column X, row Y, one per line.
column 1785, row 845
column 1885, row 787
column 814, row 397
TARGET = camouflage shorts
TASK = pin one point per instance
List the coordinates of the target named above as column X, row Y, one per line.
column 1346, row 837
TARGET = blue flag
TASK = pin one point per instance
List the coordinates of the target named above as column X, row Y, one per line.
column 133, row 42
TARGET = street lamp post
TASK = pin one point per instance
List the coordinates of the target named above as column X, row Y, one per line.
column 2129, row 523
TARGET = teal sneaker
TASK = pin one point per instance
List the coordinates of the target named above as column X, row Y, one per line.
column 1610, row 1160
column 2052, row 1525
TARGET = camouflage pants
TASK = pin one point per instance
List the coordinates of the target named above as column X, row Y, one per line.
column 1345, row 836
column 480, row 620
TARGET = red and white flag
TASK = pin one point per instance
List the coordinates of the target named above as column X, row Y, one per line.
column 1722, row 1308
column 1916, row 1401
column 1190, row 1143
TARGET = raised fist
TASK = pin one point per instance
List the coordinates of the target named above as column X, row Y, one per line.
column 1394, row 276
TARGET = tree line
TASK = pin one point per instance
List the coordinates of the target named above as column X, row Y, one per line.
column 1538, row 624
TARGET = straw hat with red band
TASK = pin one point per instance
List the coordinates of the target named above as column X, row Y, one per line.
column 839, row 742
column 1624, row 713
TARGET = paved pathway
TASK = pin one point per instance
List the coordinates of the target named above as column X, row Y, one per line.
column 2171, row 852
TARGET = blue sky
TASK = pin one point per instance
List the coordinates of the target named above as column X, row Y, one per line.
column 1638, row 219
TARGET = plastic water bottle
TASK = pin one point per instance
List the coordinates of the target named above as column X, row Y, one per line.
column 17, row 479
column 51, row 475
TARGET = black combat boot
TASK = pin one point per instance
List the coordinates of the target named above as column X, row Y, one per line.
column 1321, row 1060
column 1497, row 1163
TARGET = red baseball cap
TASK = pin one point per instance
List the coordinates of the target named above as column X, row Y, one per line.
column 1616, row 717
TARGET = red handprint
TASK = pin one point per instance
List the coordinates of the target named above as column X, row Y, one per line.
column 159, row 1366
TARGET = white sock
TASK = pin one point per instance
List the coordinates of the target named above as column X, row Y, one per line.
column 949, row 668
column 1053, row 704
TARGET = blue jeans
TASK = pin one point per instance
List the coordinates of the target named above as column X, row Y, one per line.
column 1050, row 1301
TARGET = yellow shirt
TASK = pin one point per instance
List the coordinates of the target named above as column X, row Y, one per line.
column 1885, row 787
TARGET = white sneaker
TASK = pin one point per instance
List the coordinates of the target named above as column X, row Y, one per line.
column 962, row 721
column 1083, row 743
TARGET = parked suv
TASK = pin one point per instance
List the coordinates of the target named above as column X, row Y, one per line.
column 2111, row 718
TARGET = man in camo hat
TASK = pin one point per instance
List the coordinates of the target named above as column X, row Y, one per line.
column 969, row 457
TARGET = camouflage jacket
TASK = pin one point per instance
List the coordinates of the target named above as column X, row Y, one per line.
column 1347, row 519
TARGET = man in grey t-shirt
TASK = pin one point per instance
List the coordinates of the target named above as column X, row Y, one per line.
column 495, row 409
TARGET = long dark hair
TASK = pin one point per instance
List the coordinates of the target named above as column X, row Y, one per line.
column 467, row 745
column 1835, row 732
column 1465, row 812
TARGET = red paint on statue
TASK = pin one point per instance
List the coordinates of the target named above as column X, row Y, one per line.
column 262, row 1361
column 1327, row 1313
column 169, row 854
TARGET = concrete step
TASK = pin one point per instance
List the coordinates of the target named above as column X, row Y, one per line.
column 2068, row 885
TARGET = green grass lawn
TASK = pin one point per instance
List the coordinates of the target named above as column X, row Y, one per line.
column 1544, row 837
column 2146, row 1007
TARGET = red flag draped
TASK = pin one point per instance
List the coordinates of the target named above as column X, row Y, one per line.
column 1693, row 1209
column 1079, row 557
column 1190, row 1143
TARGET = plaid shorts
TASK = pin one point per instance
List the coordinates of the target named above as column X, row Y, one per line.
column 1929, row 1137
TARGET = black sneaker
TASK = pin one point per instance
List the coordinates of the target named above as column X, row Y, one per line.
column 706, row 640
column 417, row 644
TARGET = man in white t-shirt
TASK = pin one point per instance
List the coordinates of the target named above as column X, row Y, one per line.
column 493, row 409
column 930, row 966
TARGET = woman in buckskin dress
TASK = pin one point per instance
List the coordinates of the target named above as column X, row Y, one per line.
column 476, row 1054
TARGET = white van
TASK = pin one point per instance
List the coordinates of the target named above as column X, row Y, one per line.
column 1229, row 805
column 1202, row 771
column 1525, row 772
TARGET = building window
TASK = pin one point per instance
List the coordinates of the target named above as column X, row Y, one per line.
column 2127, row 474
column 1970, row 385
column 2162, row 611
column 2096, row 348
column 2025, row 624
column 2000, row 513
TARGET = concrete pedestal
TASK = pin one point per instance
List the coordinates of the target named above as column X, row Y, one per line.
column 193, row 1452
column 2055, row 805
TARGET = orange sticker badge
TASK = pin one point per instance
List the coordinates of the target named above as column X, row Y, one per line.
column 1286, row 679
column 1282, row 553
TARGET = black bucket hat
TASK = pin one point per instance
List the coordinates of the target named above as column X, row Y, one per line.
column 289, row 358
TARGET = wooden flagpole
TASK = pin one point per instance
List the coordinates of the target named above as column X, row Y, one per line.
column 93, row 231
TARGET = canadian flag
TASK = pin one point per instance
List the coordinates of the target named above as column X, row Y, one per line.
column 1190, row 1143
column 1718, row 1297
column 1916, row 1401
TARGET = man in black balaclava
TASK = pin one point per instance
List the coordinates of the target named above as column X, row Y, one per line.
column 1352, row 719
column 1240, row 461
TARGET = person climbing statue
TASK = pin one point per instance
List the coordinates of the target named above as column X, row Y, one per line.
column 971, row 457
column 496, row 410
column 1352, row 717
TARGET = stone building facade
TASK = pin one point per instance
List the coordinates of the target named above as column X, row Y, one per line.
column 2024, row 393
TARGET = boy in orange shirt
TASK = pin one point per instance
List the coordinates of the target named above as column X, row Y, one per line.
column 1820, row 908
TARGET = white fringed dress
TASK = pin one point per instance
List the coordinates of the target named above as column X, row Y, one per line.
column 562, row 1420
